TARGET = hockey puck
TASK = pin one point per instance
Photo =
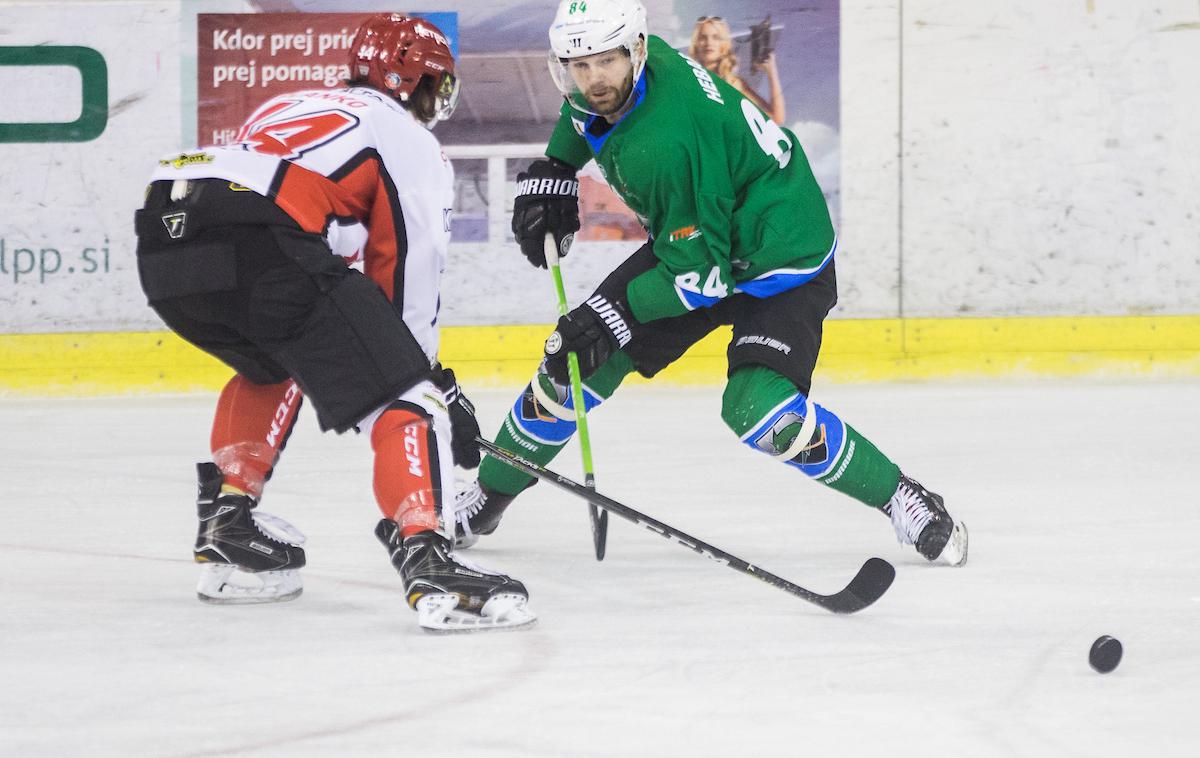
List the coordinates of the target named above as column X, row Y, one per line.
column 1105, row 654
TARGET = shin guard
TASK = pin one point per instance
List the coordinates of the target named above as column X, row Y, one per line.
column 802, row 434
column 813, row 439
column 408, row 486
column 542, row 421
column 250, row 429
column 771, row 416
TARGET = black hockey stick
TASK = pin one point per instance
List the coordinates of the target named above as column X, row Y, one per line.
column 867, row 586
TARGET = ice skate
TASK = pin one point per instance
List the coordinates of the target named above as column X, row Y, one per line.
column 920, row 519
column 477, row 511
column 245, row 557
column 448, row 593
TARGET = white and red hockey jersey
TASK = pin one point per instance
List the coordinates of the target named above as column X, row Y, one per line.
column 355, row 166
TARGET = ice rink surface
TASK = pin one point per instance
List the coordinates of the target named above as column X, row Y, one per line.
column 1081, row 498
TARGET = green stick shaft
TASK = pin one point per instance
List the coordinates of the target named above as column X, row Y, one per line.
column 597, row 516
column 585, row 442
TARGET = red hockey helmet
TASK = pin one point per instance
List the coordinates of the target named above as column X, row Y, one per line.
column 394, row 54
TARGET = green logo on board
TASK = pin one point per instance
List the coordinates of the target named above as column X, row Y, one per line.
column 93, row 72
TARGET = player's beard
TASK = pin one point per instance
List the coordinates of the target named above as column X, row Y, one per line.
column 610, row 100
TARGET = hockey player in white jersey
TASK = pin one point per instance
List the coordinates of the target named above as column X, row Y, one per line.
column 246, row 251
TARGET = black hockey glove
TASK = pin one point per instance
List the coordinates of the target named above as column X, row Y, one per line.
column 463, row 426
column 547, row 202
column 594, row 331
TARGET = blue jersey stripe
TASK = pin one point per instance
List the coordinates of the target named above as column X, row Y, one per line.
column 783, row 279
column 694, row 300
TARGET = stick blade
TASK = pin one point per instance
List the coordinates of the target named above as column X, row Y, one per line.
column 599, row 530
column 867, row 586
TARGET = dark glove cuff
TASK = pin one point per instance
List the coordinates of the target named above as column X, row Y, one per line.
column 615, row 317
column 562, row 165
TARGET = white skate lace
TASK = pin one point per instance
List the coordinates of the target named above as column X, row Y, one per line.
column 468, row 502
column 277, row 529
column 909, row 514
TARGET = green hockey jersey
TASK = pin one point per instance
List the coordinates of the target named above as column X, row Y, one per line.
column 727, row 195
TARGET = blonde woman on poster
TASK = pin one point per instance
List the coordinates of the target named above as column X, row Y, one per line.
column 712, row 47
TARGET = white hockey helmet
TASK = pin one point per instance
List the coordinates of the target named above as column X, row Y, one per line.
column 587, row 27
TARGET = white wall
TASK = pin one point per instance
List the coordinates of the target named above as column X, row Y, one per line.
column 1002, row 157
column 67, row 203
column 1051, row 157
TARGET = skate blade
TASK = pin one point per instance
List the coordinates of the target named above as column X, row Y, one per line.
column 440, row 614
column 463, row 541
column 226, row 584
column 955, row 552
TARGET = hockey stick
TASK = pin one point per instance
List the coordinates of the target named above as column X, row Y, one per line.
column 599, row 518
column 867, row 586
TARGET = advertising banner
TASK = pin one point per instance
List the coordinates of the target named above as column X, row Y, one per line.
column 243, row 60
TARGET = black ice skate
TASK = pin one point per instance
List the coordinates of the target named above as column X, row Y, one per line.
column 920, row 519
column 477, row 511
column 448, row 593
column 246, row 557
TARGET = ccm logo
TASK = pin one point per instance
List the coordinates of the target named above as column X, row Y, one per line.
column 412, row 450
column 281, row 414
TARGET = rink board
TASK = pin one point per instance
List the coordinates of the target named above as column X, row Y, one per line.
column 82, row 364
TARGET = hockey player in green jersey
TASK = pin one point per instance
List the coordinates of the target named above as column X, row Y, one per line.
column 739, row 234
